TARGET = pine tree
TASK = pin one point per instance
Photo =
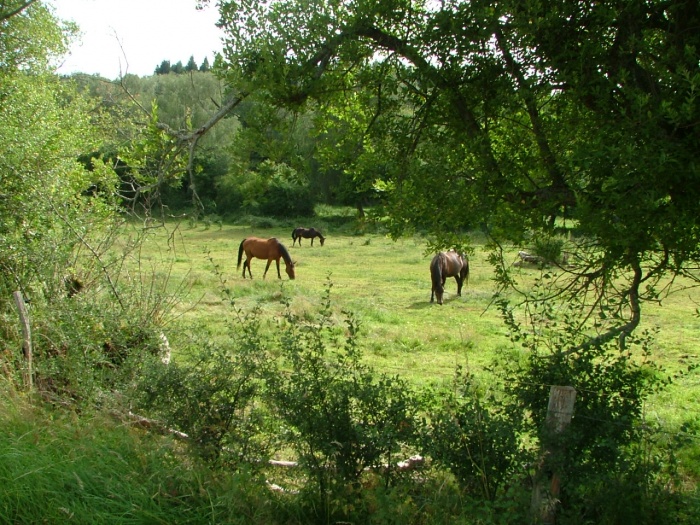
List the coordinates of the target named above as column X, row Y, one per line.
column 191, row 65
column 163, row 68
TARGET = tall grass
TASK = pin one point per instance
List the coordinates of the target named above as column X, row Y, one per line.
column 58, row 467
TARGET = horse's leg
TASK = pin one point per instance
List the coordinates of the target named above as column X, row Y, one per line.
column 267, row 267
column 247, row 264
column 279, row 276
column 459, row 285
column 312, row 241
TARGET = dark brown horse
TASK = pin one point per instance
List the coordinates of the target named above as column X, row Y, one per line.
column 270, row 249
column 306, row 233
column 444, row 265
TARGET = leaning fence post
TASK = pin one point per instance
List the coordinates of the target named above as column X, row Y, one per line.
column 27, row 373
column 545, row 494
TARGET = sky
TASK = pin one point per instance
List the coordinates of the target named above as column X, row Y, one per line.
column 135, row 36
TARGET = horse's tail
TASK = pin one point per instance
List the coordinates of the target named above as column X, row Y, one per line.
column 466, row 269
column 240, row 254
column 294, row 234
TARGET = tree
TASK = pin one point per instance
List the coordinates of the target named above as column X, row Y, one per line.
column 47, row 198
column 163, row 68
column 512, row 116
column 186, row 103
column 191, row 64
column 205, row 67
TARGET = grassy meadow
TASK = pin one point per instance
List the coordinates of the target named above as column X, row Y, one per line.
column 59, row 466
column 386, row 285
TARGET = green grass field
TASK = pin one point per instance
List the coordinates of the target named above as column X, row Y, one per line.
column 386, row 284
column 60, row 466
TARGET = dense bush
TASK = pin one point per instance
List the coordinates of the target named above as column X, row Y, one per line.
column 86, row 348
column 211, row 393
column 548, row 248
column 273, row 190
column 343, row 418
column 607, row 443
column 478, row 437
column 287, row 199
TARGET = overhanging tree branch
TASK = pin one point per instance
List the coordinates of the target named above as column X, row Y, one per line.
column 17, row 10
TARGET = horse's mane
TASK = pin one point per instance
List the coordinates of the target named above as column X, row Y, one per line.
column 436, row 271
column 285, row 254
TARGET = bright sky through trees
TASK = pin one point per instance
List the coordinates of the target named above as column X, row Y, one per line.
column 135, row 36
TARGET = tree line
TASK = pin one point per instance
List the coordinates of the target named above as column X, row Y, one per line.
column 166, row 67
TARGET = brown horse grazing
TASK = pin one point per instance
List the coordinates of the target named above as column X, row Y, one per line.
column 444, row 265
column 270, row 249
column 307, row 233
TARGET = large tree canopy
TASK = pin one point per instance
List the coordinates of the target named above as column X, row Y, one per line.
column 45, row 206
column 509, row 115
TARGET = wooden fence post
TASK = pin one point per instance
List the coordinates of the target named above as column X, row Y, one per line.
column 27, row 373
column 545, row 493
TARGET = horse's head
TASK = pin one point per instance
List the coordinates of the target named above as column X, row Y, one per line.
column 439, row 295
column 322, row 238
column 289, row 268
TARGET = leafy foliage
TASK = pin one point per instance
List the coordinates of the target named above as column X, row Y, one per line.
column 606, row 439
column 273, row 190
column 44, row 205
column 342, row 418
column 478, row 437
column 211, row 394
column 504, row 117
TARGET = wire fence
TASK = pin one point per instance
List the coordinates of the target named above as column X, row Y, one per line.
column 689, row 414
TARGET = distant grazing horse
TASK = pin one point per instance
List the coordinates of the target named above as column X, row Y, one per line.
column 444, row 265
column 306, row 233
column 270, row 249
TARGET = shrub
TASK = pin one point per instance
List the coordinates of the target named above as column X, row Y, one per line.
column 211, row 394
column 287, row 199
column 476, row 436
column 549, row 249
column 342, row 417
column 604, row 445
column 86, row 346
column 272, row 189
